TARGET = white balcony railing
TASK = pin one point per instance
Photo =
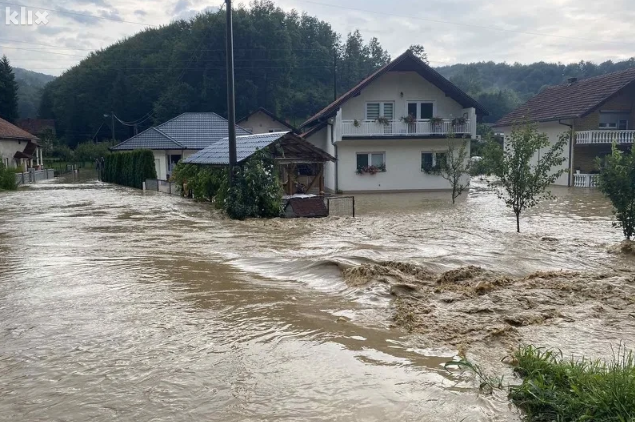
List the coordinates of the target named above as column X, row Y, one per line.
column 585, row 180
column 363, row 128
column 605, row 137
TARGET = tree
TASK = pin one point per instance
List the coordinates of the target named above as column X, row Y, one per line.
column 419, row 51
column 8, row 92
column 525, row 168
column 456, row 166
column 469, row 80
column 617, row 182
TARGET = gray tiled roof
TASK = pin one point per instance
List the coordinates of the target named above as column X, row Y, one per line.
column 149, row 139
column 246, row 146
column 187, row 131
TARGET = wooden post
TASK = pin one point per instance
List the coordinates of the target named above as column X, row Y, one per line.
column 321, row 181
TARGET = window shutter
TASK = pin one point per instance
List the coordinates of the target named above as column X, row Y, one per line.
column 389, row 111
column 372, row 111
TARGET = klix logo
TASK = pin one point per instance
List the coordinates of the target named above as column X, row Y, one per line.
column 25, row 17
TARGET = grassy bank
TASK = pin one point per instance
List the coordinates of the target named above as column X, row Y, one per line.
column 556, row 389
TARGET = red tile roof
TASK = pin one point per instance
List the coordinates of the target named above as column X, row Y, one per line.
column 10, row 131
column 408, row 61
column 570, row 100
column 36, row 126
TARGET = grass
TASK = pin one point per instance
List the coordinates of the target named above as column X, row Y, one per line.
column 558, row 389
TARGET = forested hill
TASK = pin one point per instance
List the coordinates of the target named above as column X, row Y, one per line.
column 284, row 62
column 30, row 86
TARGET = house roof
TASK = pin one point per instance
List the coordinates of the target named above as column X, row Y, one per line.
column 187, row 131
column 570, row 100
column 407, row 62
column 36, row 125
column 271, row 115
column 11, row 131
column 294, row 149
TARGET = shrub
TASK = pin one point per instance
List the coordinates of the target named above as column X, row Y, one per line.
column 200, row 182
column 90, row 151
column 7, row 178
column 129, row 168
column 617, row 182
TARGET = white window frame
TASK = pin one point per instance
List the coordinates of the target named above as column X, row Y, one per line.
column 419, row 102
column 381, row 109
column 370, row 158
column 434, row 157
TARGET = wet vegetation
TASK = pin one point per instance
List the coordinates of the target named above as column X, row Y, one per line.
column 129, row 168
column 7, row 178
column 617, row 182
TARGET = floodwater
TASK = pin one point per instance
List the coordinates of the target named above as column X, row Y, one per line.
column 149, row 307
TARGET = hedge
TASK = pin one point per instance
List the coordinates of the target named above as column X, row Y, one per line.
column 129, row 168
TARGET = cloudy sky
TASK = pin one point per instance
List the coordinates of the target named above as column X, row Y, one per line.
column 452, row 31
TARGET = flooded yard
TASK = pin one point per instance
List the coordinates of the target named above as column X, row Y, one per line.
column 120, row 304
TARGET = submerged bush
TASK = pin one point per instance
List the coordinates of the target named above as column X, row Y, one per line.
column 555, row 389
column 7, row 178
column 617, row 182
column 129, row 168
column 200, row 182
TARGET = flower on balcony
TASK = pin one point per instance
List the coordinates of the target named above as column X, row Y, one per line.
column 383, row 120
column 436, row 121
column 356, row 123
column 372, row 170
column 409, row 119
column 458, row 121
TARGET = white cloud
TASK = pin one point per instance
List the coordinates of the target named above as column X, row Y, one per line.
column 451, row 30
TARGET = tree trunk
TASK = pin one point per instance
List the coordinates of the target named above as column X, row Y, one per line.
column 517, row 222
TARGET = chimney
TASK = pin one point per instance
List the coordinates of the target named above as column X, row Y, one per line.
column 572, row 80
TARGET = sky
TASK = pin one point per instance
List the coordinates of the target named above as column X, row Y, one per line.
column 452, row 31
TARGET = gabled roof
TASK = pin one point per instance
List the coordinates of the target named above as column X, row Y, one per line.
column 271, row 115
column 408, row 61
column 570, row 100
column 36, row 126
column 187, row 131
column 10, row 131
column 293, row 147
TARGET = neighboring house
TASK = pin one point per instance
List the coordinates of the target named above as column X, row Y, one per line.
column 179, row 138
column 264, row 121
column 18, row 148
column 395, row 124
column 595, row 112
column 38, row 127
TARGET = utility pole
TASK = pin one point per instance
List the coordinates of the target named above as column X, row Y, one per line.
column 334, row 75
column 231, row 95
column 112, row 118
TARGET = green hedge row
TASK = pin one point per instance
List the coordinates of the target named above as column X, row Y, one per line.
column 129, row 168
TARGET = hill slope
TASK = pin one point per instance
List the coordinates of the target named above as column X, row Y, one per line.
column 30, row 87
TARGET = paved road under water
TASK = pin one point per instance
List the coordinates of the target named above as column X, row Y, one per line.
column 148, row 307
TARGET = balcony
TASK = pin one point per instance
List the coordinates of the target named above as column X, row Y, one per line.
column 397, row 128
column 586, row 180
column 605, row 137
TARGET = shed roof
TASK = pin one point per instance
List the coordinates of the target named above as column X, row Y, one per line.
column 407, row 62
column 187, row 131
column 294, row 149
column 11, row 131
column 570, row 100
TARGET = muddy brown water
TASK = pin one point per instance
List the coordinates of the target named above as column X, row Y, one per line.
column 149, row 307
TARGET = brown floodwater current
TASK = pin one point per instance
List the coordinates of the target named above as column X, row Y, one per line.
column 116, row 303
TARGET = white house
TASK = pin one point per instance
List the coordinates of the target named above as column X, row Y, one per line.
column 264, row 121
column 593, row 113
column 392, row 128
column 179, row 138
column 18, row 148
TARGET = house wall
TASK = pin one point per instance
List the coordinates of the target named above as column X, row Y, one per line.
column 403, row 165
column 8, row 148
column 624, row 101
column 161, row 160
column 322, row 139
column 391, row 85
column 585, row 156
column 553, row 131
column 259, row 122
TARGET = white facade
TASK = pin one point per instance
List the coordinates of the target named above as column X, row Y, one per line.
column 554, row 130
column 260, row 122
column 401, row 147
column 8, row 148
column 164, row 161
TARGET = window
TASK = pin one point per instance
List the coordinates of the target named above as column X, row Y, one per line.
column 368, row 159
column 376, row 110
column 614, row 120
column 622, row 125
column 422, row 110
column 432, row 160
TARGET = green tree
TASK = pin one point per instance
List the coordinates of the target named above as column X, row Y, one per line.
column 420, row 52
column 7, row 178
column 525, row 168
column 469, row 80
column 8, row 92
column 617, row 182
column 455, row 167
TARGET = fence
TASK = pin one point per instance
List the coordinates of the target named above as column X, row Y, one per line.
column 340, row 206
column 586, row 180
column 34, row 176
column 162, row 186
